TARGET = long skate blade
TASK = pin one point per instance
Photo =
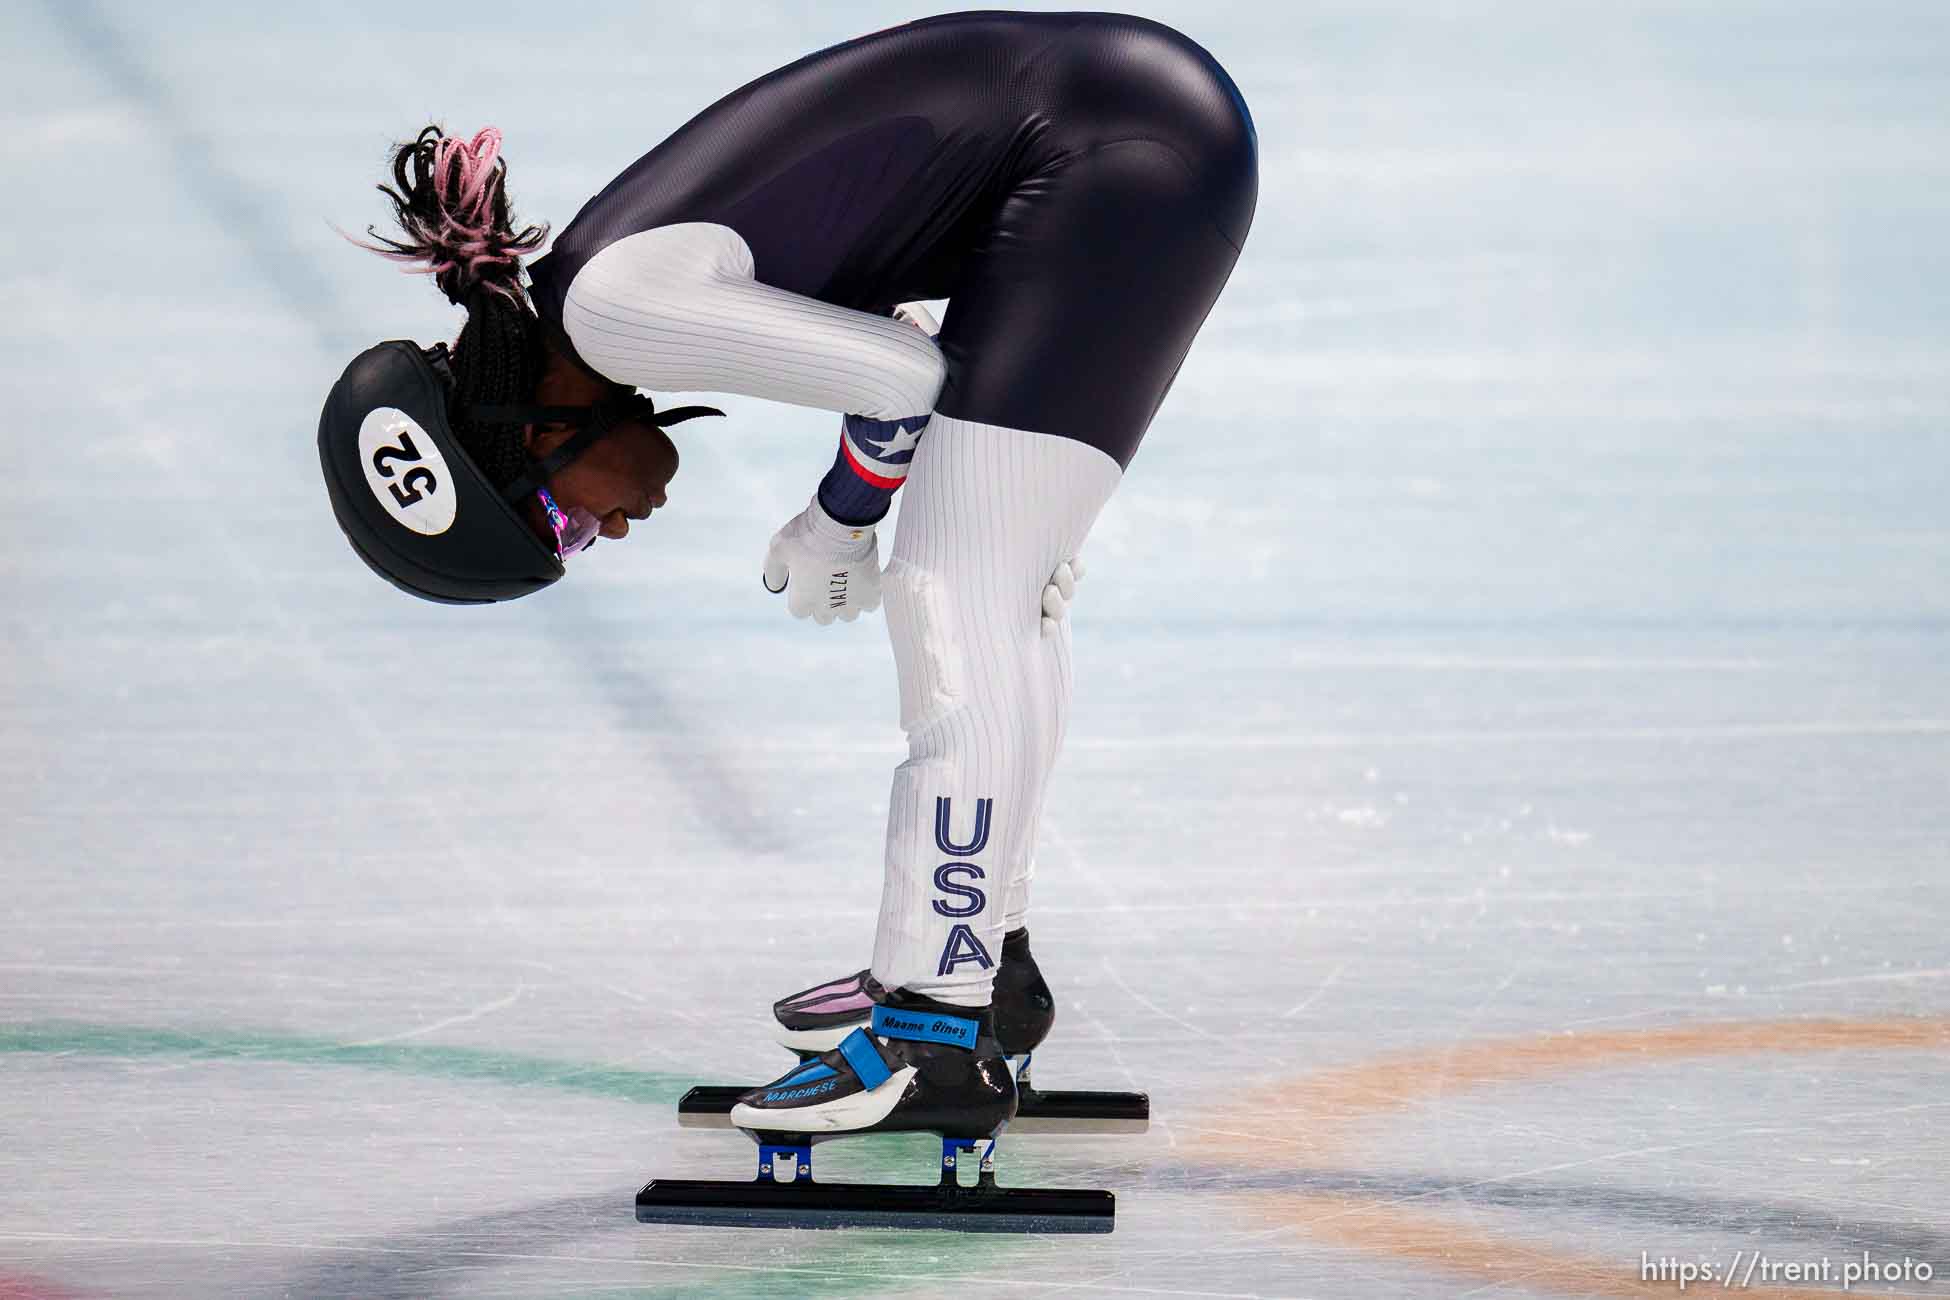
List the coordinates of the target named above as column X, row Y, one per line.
column 806, row 1204
column 1058, row 1111
column 709, row 1106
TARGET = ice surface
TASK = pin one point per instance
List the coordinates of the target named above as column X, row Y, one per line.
column 1505, row 821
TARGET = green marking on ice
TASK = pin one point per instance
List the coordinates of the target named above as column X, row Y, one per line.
column 427, row 1060
column 843, row 1269
column 853, row 1263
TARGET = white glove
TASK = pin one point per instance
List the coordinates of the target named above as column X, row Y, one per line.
column 827, row 569
column 919, row 317
column 1062, row 589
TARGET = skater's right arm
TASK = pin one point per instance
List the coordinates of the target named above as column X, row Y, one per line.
column 676, row 309
column 873, row 456
column 833, row 538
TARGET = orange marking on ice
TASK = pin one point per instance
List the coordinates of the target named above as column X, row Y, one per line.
column 16, row 1287
column 1425, row 1237
column 1316, row 1117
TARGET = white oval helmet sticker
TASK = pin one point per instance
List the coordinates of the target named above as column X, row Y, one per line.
column 405, row 471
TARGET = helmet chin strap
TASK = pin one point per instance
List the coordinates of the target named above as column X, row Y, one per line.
column 592, row 423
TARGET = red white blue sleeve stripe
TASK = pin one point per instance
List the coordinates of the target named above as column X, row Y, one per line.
column 869, row 467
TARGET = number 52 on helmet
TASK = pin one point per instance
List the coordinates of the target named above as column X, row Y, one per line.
column 413, row 503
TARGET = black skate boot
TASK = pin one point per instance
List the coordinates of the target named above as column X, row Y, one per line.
column 1024, row 1007
column 819, row 1019
column 918, row 1065
column 815, row 1020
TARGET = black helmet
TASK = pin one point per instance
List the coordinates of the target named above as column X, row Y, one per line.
column 411, row 500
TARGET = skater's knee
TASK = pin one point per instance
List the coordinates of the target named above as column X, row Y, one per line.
column 926, row 629
column 951, row 656
column 925, row 658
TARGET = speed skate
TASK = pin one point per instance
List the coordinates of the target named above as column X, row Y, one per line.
column 817, row 1019
column 914, row 1066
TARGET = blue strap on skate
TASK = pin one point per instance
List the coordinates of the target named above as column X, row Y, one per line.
column 810, row 1072
column 925, row 1027
column 861, row 1054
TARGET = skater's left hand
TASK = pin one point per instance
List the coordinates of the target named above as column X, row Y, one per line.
column 919, row 317
column 828, row 570
column 1062, row 589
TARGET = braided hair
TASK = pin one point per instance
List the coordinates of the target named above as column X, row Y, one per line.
column 450, row 199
